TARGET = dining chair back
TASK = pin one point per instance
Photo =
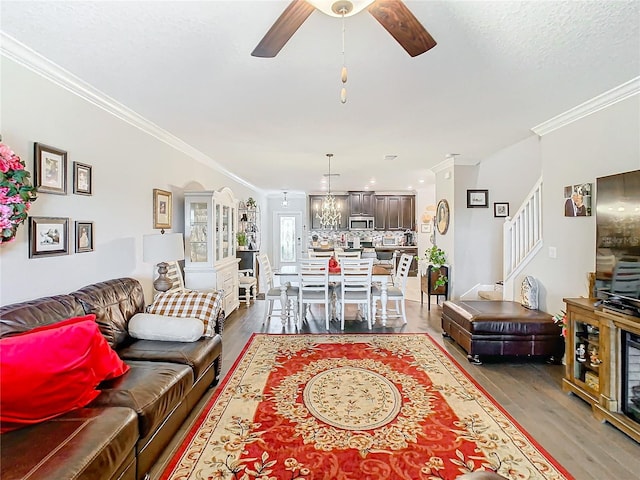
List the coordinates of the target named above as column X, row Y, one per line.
column 318, row 254
column 314, row 288
column 342, row 254
column 273, row 293
column 355, row 286
column 395, row 292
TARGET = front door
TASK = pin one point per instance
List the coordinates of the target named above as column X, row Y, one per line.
column 287, row 242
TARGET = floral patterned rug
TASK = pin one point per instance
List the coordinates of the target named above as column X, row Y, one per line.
column 352, row 407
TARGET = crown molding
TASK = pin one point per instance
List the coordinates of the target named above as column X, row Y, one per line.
column 32, row 60
column 444, row 165
column 604, row 100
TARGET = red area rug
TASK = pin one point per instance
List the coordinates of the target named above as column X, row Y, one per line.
column 352, row 407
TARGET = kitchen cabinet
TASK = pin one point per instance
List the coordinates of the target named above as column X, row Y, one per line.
column 394, row 212
column 361, row 203
column 315, row 206
column 210, row 219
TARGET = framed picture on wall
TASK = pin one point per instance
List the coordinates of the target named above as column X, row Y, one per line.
column 50, row 169
column 577, row 200
column 500, row 209
column 84, row 237
column 425, row 228
column 48, row 236
column 82, row 180
column 477, row 198
column 161, row 209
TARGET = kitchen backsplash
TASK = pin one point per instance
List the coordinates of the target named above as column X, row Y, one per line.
column 334, row 238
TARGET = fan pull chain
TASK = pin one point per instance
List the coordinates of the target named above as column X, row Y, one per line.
column 343, row 73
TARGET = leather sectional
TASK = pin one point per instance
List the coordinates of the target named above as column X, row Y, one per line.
column 122, row 433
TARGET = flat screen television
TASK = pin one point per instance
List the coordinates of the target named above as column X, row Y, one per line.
column 618, row 239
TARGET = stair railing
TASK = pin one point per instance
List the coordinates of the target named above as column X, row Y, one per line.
column 522, row 238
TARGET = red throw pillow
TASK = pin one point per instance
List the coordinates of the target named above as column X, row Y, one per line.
column 53, row 369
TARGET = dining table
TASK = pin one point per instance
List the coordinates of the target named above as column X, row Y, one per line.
column 289, row 273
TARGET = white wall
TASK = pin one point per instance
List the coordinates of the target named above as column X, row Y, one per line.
column 508, row 175
column 604, row 143
column 127, row 165
column 601, row 144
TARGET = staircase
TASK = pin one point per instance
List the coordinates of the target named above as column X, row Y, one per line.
column 522, row 238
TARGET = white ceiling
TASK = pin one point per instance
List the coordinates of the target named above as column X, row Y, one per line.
column 499, row 69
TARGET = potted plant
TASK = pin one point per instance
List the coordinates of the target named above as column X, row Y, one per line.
column 435, row 259
column 242, row 240
column 251, row 203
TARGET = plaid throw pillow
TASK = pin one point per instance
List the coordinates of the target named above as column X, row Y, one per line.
column 201, row 305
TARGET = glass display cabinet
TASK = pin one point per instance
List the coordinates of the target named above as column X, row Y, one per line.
column 584, row 353
column 210, row 255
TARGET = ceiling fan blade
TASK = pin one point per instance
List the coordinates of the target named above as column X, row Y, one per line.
column 283, row 29
column 398, row 20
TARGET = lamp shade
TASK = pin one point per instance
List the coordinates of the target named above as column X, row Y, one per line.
column 167, row 247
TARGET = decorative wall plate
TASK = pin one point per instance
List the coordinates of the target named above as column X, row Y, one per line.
column 442, row 217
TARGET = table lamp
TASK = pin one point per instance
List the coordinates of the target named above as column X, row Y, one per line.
column 160, row 249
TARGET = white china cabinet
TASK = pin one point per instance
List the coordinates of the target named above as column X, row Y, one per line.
column 210, row 244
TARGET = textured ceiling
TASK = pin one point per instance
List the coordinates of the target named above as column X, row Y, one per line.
column 499, row 69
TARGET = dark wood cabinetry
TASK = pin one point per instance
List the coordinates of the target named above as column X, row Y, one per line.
column 395, row 212
column 361, row 203
column 315, row 206
column 390, row 212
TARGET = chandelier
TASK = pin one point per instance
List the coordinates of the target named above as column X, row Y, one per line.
column 329, row 215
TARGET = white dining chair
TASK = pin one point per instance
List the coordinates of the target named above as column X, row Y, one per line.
column 355, row 286
column 273, row 293
column 314, row 288
column 320, row 254
column 342, row 254
column 396, row 291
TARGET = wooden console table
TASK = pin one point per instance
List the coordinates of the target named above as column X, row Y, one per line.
column 594, row 360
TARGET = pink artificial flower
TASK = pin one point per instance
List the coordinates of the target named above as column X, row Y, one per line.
column 14, row 199
column 5, row 152
column 4, row 165
column 6, row 211
column 15, row 163
column 5, row 223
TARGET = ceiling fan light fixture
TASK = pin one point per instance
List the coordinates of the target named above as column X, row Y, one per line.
column 343, row 74
column 338, row 8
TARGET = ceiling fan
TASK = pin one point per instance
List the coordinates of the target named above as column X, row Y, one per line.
column 393, row 15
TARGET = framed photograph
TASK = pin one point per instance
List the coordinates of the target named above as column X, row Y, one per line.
column 500, row 209
column 577, row 200
column 84, row 237
column 48, row 236
column 82, row 180
column 161, row 209
column 425, row 228
column 477, row 198
column 50, row 169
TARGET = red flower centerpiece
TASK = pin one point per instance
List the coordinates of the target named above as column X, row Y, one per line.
column 16, row 193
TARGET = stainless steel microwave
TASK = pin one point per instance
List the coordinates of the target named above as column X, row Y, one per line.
column 361, row 223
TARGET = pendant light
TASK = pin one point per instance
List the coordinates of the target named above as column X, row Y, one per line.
column 329, row 215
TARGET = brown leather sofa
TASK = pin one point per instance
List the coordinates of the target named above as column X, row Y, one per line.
column 500, row 328
column 123, row 431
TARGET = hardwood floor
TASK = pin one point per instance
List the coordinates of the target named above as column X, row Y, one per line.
column 530, row 391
